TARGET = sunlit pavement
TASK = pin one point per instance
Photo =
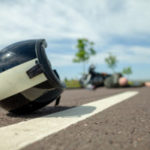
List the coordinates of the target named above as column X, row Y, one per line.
column 122, row 126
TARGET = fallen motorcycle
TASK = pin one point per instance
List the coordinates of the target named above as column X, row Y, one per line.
column 96, row 79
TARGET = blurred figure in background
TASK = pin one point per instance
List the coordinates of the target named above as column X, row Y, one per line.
column 147, row 84
column 93, row 79
column 92, row 70
column 116, row 80
column 123, row 81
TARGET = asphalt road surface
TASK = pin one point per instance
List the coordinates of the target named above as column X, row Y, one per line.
column 124, row 126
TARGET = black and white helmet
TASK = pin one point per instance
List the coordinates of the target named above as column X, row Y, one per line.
column 27, row 79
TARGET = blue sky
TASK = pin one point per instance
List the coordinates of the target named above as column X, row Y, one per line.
column 121, row 27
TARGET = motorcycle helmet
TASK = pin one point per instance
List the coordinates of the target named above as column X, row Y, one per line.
column 27, row 80
column 92, row 68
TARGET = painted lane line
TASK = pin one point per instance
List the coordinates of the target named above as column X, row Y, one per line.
column 22, row 134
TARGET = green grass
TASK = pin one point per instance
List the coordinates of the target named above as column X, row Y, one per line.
column 72, row 84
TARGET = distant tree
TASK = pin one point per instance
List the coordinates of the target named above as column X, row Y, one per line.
column 127, row 71
column 85, row 51
column 111, row 61
column 65, row 80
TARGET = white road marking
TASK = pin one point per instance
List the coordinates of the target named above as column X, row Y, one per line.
column 19, row 135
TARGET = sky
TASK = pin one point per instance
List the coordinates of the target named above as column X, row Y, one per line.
column 121, row 27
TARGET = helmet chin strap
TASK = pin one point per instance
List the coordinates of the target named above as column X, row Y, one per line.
column 57, row 101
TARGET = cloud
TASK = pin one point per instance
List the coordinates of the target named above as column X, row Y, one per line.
column 124, row 54
column 116, row 26
column 98, row 20
column 60, row 60
column 49, row 19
